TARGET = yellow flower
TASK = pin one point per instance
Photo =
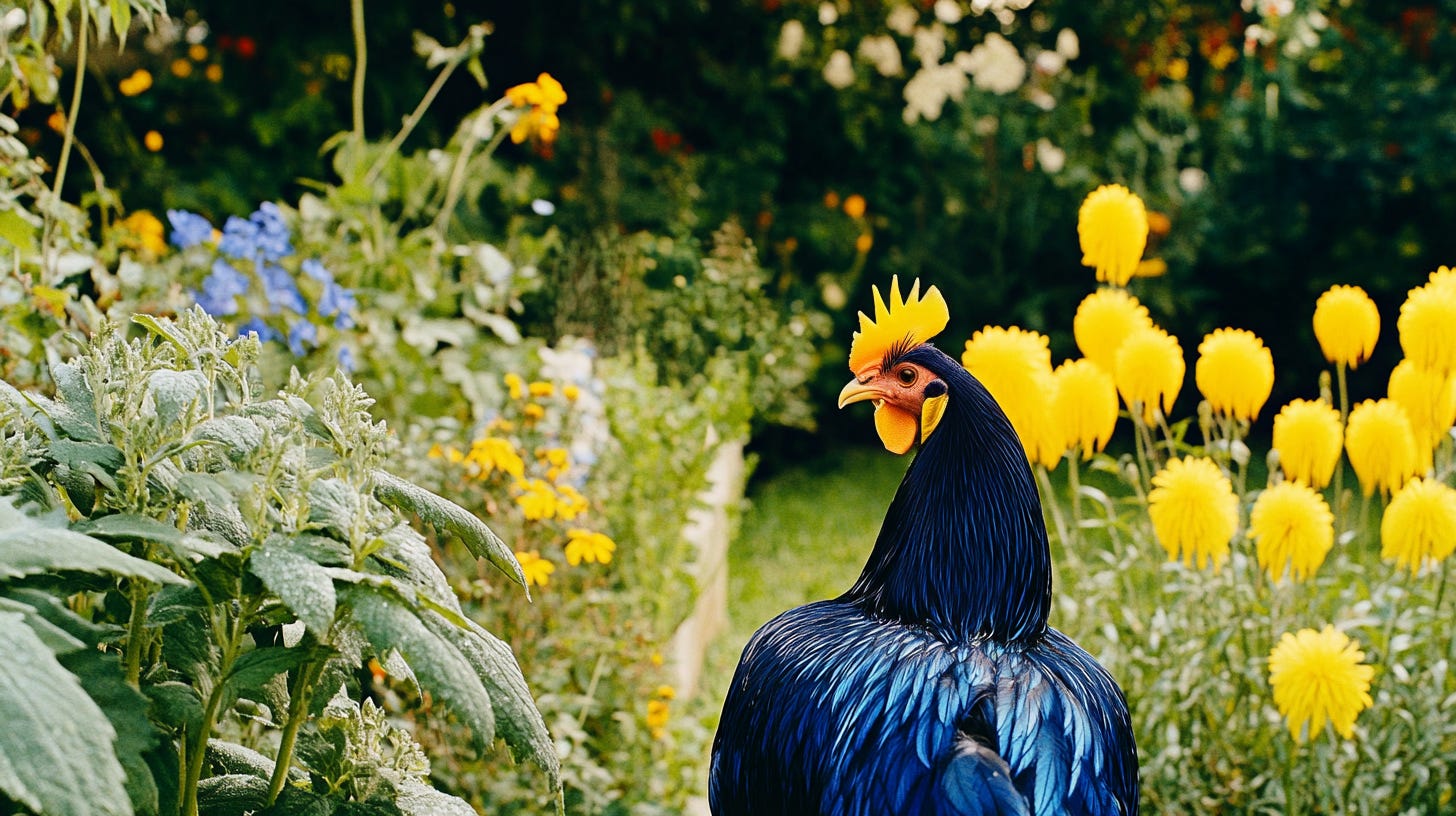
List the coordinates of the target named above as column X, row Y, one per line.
column 1084, row 406
column 1381, row 445
column 1194, row 511
column 570, row 503
column 152, row 140
column 541, row 100
column 536, row 499
column 667, row 692
column 1429, row 400
column 1016, row 367
column 213, row 73
column 181, row 68
column 493, row 453
column 1346, row 324
column 1309, row 439
column 1293, row 530
column 1427, row 326
column 533, row 412
column 1103, row 321
column 585, row 545
column 1112, row 227
column 151, row 236
column 515, row 385
column 197, row 51
column 1419, row 525
column 854, row 206
column 658, row 713
column 138, row 83
column 864, row 243
column 537, row 569
column 541, row 389
column 1319, row 679
column 571, row 392
column 1235, row 372
column 1149, row 371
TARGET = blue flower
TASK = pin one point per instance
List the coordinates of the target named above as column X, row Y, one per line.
column 338, row 303
column 315, row 269
column 301, row 336
column 239, row 238
column 346, row 359
column 220, row 289
column 255, row 325
column 281, row 291
column 188, row 229
column 272, row 239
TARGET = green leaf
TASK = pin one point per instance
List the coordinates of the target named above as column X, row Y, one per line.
column 232, row 795
column 29, row 547
column 174, row 704
column 175, row 392
column 17, row 231
column 231, row 758
column 414, row 798
column 102, row 677
column 121, row 20
column 239, row 436
column 72, row 387
column 163, row 329
column 259, row 666
column 131, row 527
column 440, row 667
column 301, row 583
column 57, row 750
column 446, row 515
column 333, row 504
column 173, row 603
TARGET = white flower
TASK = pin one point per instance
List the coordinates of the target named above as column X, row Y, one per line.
column 884, row 53
column 839, row 71
column 1276, row 8
column 1067, row 44
column 828, row 14
column 927, row 91
column 948, row 11
column 1192, row 180
column 1051, row 158
column 1049, row 63
column 791, row 40
column 929, row 44
column 996, row 65
column 1041, row 98
column 902, row 20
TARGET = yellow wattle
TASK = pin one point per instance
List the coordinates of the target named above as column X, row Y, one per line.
column 896, row 426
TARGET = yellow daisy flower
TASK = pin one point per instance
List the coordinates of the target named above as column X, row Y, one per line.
column 1309, row 439
column 541, row 388
column 585, row 545
column 515, row 384
column 1149, row 371
column 1235, row 372
column 1381, row 445
column 1319, row 678
column 570, row 503
column 1015, row 365
column 658, row 714
column 1293, row 530
column 536, row 499
column 1419, row 525
column 1429, row 400
column 1427, row 326
column 492, row 453
column 1104, row 319
column 1346, row 324
column 537, row 569
column 1112, row 227
column 1194, row 511
column 1084, row 406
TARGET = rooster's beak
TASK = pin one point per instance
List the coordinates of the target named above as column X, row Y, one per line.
column 856, row 391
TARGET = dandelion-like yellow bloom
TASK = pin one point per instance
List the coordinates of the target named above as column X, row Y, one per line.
column 658, row 714
column 1112, row 226
column 570, row 503
column 1235, row 372
column 541, row 388
column 1381, row 445
column 151, row 236
column 1194, row 511
column 1346, row 324
column 515, row 385
column 1104, row 319
column 1429, row 400
column 491, row 454
column 537, row 569
column 536, row 499
column 571, row 392
column 1427, row 326
column 1149, row 371
column 1319, row 678
column 1419, row 525
column 1293, row 530
column 1015, row 365
column 1083, row 406
column 1309, row 439
column 591, row 547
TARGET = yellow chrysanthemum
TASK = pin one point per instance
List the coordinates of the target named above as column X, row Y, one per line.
column 1381, row 445
column 1427, row 326
column 1319, row 678
column 591, row 547
column 1112, row 227
column 537, row 569
column 1293, row 530
column 1194, row 511
column 1149, row 371
column 1309, row 439
column 1015, row 365
column 491, row 454
column 1084, row 406
column 1346, row 324
column 536, row 499
column 1429, row 400
column 1104, row 319
column 1235, row 372
column 1419, row 525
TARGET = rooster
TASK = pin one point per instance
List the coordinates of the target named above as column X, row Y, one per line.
column 934, row 685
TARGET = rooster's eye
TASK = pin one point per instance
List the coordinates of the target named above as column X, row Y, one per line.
column 907, row 376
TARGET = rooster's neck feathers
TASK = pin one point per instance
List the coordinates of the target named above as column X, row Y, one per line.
column 963, row 549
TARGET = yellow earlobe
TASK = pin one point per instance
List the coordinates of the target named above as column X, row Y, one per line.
column 896, row 427
column 930, row 413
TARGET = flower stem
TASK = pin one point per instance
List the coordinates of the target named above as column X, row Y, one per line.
column 303, row 683
column 69, row 138
column 1052, row 505
column 462, row 161
column 410, row 121
column 361, row 59
column 135, row 629
column 1344, row 418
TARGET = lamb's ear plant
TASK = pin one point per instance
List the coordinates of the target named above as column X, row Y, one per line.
column 194, row 576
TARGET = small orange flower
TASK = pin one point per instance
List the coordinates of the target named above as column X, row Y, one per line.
column 855, row 206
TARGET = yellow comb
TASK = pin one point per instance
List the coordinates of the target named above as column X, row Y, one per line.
column 903, row 323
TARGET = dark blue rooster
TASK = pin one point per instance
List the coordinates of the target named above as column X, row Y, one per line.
column 934, row 685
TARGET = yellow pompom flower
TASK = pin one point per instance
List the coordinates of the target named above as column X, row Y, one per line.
column 1104, row 319
column 1346, row 324
column 1149, row 371
column 1319, row 678
column 1381, row 445
column 1419, row 526
column 1429, row 400
column 1235, row 372
column 1112, row 227
column 1194, row 511
column 1084, row 406
column 1309, row 439
column 1427, row 326
column 591, row 547
column 1293, row 530
column 1015, row 365
column 537, row 569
